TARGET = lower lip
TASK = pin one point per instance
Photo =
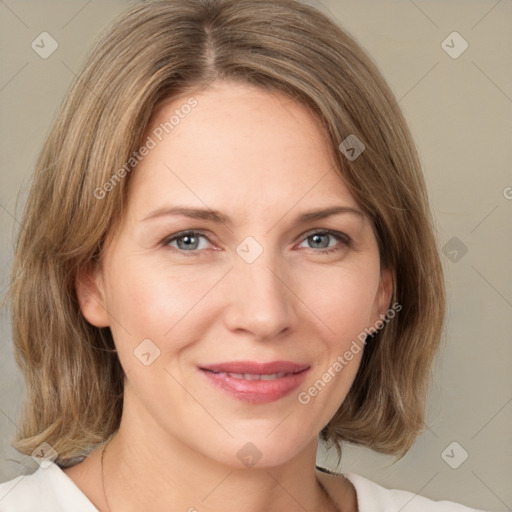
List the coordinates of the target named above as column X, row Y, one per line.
column 257, row 391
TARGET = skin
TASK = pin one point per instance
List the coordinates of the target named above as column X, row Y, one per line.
column 262, row 160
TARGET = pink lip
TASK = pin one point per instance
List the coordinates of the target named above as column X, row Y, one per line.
column 257, row 391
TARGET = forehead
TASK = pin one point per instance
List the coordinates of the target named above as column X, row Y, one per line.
column 239, row 146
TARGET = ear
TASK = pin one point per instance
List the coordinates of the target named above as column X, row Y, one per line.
column 91, row 296
column 383, row 296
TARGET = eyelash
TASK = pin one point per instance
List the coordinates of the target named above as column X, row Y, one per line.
column 341, row 237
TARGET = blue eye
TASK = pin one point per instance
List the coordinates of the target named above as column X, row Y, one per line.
column 318, row 235
column 188, row 242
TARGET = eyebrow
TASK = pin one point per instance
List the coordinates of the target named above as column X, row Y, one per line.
column 220, row 218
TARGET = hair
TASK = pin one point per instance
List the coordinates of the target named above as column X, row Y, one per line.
column 154, row 52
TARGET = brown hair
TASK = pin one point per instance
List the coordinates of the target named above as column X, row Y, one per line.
column 154, row 52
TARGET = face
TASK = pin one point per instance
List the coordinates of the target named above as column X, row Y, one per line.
column 232, row 326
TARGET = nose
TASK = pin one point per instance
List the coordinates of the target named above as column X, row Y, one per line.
column 262, row 302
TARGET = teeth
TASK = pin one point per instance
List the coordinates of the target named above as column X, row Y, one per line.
column 236, row 375
column 254, row 376
column 272, row 376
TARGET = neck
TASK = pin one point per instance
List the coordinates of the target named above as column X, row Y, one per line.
column 146, row 468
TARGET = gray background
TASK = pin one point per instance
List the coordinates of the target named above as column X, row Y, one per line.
column 460, row 114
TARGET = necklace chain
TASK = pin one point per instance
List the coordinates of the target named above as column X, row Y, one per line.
column 103, row 477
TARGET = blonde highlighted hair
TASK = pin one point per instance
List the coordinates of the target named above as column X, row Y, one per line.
column 156, row 51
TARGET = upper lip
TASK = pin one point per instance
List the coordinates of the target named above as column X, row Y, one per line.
column 256, row 368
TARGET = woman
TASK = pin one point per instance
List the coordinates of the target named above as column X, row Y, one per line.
column 227, row 253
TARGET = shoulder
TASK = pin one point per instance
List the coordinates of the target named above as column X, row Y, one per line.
column 47, row 490
column 372, row 497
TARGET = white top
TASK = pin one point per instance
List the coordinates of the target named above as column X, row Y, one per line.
column 51, row 490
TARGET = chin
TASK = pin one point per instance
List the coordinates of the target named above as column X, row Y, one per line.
column 258, row 449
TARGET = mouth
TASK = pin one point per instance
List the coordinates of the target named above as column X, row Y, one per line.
column 254, row 376
column 255, row 382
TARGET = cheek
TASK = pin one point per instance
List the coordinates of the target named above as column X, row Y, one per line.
column 343, row 299
column 159, row 303
column 343, row 307
column 154, row 296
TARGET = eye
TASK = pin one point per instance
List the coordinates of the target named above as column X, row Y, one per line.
column 186, row 241
column 190, row 242
column 321, row 241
